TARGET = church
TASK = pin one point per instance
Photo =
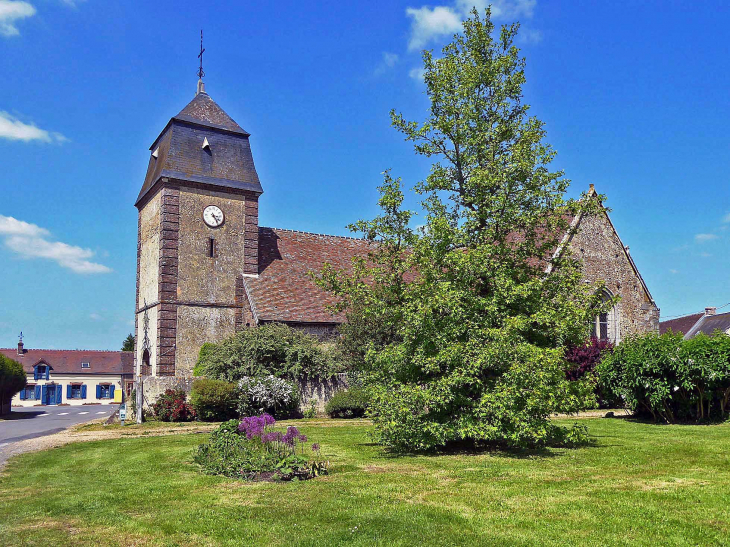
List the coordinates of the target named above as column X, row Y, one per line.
column 205, row 268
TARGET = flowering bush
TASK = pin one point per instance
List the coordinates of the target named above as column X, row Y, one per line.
column 267, row 394
column 172, row 406
column 254, row 449
column 670, row 379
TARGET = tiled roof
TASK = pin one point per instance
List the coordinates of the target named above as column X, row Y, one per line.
column 69, row 361
column 284, row 291
column 204, row 110
column 680, row 324
column 708, row 324
column 178, row 151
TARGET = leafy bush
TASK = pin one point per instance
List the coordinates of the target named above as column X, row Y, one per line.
column 254, row 449
column 12, row 379
column 273, row 349
column 347, row 403
column 214, row 400
column 668, row 378
column 267, row 394
column 171, row 406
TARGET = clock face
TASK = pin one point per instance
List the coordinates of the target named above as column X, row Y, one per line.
column 213, row 216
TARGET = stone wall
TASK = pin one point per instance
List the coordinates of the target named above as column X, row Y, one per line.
column 605, row 259
column 154, row 386
column 320, row 391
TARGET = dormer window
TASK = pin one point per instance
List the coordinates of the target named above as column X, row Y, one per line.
column 85, row 365
column 41, row 371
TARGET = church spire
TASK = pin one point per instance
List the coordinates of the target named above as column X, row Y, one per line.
column 201, row 73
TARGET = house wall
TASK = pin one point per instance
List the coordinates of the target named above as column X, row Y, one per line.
column 605, row 259
column 90, row 381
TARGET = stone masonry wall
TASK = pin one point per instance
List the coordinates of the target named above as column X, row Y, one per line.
column 210, row 289
column 605, row 259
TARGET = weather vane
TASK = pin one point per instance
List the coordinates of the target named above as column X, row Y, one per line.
column 200, row 56
column 21, row 337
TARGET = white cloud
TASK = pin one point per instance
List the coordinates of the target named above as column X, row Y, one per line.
column 30, row 241
column 10, row 12
column 529, row 36
column 705, row 255
column 417, row 73
column 12, row 128
column 95, row 316
column 726, row 218
column 702, row 238
column 673, row 271
column 429, row 23
column 388, row 61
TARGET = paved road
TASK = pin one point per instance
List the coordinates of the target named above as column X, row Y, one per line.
column 37, row 421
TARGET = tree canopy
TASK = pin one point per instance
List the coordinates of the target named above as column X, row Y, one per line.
column 128, row 344
column 12, row 379
column 458, row 327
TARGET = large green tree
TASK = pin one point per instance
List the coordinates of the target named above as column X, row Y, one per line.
column 466, row 325
column 12, row 380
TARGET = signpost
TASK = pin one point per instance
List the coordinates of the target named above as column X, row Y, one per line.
column 123, row 412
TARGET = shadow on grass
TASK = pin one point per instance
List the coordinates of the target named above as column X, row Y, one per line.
column 494, row 449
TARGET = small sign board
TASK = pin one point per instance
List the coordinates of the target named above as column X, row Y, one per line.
column 123, row 412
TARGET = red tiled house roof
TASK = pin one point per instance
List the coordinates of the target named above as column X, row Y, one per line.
column 69, row 361
column 284, row 291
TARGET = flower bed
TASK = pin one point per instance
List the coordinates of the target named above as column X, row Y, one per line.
column 253, row 449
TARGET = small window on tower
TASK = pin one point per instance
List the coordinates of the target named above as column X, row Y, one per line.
column 211, row 248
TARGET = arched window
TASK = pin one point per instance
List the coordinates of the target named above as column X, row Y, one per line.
column 146, row 368
column 606, row 325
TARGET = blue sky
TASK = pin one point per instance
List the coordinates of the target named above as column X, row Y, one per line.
column 634, row 95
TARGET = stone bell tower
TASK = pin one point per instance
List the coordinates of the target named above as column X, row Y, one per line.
column 197, row 237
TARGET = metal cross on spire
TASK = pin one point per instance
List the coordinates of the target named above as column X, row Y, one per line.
column 200, row 56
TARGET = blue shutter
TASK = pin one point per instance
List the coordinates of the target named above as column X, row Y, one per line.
column 59, row 395
column 22, row 394
column 83, row 391
column 68, row 391
column 35, row 372
column 98, row 391
column 37, row 393
column 111, row 391
column 44, row 392
column 48, row 372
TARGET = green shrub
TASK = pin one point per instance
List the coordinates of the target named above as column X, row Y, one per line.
column 12, row 379
column 214, row 400
column 348, row 403
column 171, row 406
column 254, row 449
column 269, row 349
column 668, row 378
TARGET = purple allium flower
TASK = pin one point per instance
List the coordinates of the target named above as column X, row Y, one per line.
column 292, row 433
column 302, row 438
column 268, row 419
column 315, row 447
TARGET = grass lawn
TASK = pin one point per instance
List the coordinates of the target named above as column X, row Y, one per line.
column 641, row 484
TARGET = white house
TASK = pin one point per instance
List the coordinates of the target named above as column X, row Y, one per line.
column 74, row 377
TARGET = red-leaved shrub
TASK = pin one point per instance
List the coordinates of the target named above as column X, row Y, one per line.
column 585, row 358
column 172, row 406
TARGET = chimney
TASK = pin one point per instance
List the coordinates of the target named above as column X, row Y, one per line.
column 20, row 345
column 710, row 310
